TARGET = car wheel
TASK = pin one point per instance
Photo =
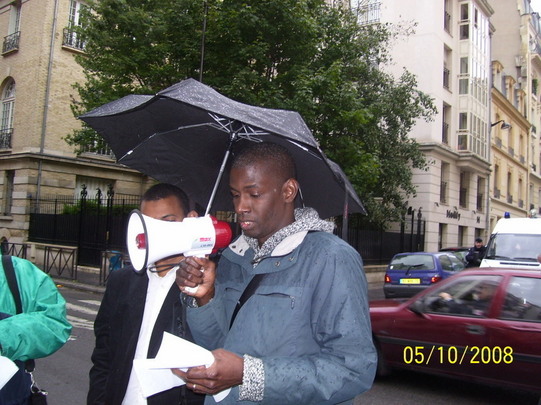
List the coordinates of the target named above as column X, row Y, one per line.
column 383, row 368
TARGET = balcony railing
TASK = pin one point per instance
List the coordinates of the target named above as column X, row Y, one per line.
column 521, row 203
column 509, row 198
column 11, row 42
column 446, row 78
column 479, row 203
column 443, row 192
column 5, row 138
column 447, row 22
column 497, row 193
column 73, row 39
column 511, row 151
column 445, row 133
column 369, row 13
column 98, row 150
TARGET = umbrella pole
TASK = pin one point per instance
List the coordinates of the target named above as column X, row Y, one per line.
column 345, row 219
column 221, row 172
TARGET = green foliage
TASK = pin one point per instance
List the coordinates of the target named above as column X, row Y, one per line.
column 293, row 54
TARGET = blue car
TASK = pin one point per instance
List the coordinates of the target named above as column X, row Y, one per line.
column 410, row 273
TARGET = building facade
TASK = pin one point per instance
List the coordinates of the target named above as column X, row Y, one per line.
column 37, row 73
column 479, row 60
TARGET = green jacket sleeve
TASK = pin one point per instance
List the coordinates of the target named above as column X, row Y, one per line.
column 42, row 328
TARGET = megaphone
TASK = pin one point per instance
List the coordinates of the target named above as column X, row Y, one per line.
column 149, row 239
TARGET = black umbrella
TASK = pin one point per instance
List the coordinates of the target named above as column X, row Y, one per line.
column 185, row 134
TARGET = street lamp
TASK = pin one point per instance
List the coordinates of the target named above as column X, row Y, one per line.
column 505, row 125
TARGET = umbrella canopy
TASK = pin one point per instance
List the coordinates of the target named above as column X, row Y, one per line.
column 184, row 134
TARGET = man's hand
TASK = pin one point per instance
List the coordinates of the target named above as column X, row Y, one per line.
column 197, row 272
column 225, row 372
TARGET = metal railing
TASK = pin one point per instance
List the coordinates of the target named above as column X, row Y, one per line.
column 11, row 42
column 73, row 39
column 14, row 249
column 60, row 259
column 5, row 138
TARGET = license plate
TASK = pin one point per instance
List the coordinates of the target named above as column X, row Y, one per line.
column 410, row 281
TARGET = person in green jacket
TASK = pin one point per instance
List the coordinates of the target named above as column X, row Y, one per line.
column 42, row 328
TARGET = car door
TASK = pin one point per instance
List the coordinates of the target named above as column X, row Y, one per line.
column 515, row 335
column 447, row 339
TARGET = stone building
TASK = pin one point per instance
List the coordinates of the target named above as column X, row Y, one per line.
column 37, row 72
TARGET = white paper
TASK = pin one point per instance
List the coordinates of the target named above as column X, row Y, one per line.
column 7, row 370
column 155, row 375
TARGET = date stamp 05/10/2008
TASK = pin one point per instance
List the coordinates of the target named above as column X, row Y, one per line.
column 457, row 355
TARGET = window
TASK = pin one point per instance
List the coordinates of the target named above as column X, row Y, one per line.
column 6, row 118
column 11, row 41
column 466, row 296
column 7, row 197
column 464, row 185
column 522, row 300
column 444, row 182
column 71, row 37
column 480, row 203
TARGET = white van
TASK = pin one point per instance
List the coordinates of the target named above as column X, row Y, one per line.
column 514, row 243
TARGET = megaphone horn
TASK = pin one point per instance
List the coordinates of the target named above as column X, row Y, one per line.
column 149, row 239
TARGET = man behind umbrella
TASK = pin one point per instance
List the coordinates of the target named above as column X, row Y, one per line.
column 304, row 334
column 135, row 311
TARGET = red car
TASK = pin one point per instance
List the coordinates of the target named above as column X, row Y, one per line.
column 480, row 325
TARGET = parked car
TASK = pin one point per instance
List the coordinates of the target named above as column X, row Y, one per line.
column 459, row 252
column 409, row 273
column 442, row 330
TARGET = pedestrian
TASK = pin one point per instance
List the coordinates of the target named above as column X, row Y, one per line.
column 33, row 322
column 135, row 311
column 476, row 253
column 286, row 311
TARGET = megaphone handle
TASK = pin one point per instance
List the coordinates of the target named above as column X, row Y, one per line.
column 193, row 290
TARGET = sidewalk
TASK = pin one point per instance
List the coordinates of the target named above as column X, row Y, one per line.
column 88, row 279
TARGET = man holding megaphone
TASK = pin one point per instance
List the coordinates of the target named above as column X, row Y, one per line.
column 286, row 311
column 137, row 307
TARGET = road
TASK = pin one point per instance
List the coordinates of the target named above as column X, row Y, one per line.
column 65, row 373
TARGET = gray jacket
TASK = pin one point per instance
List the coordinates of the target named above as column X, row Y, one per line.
column 308, row 321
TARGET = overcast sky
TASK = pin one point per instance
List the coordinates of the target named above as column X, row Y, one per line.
column 536, row 5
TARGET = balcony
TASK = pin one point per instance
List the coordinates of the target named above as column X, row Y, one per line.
column 73, row 39
column 5, row 138
column 97, row 150
column 11, row 43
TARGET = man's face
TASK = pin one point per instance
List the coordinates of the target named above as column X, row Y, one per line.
column 263, row 203
column 478, row 244
column 166, row 209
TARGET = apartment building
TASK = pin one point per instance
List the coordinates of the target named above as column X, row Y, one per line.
column 479, row 60
column 449, row 52
column 37, row 71
column 516, row 54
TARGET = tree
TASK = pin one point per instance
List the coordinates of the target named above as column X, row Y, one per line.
column 294, row 54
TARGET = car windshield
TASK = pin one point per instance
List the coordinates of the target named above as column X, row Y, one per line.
column 409, row 262
column 514, row 247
